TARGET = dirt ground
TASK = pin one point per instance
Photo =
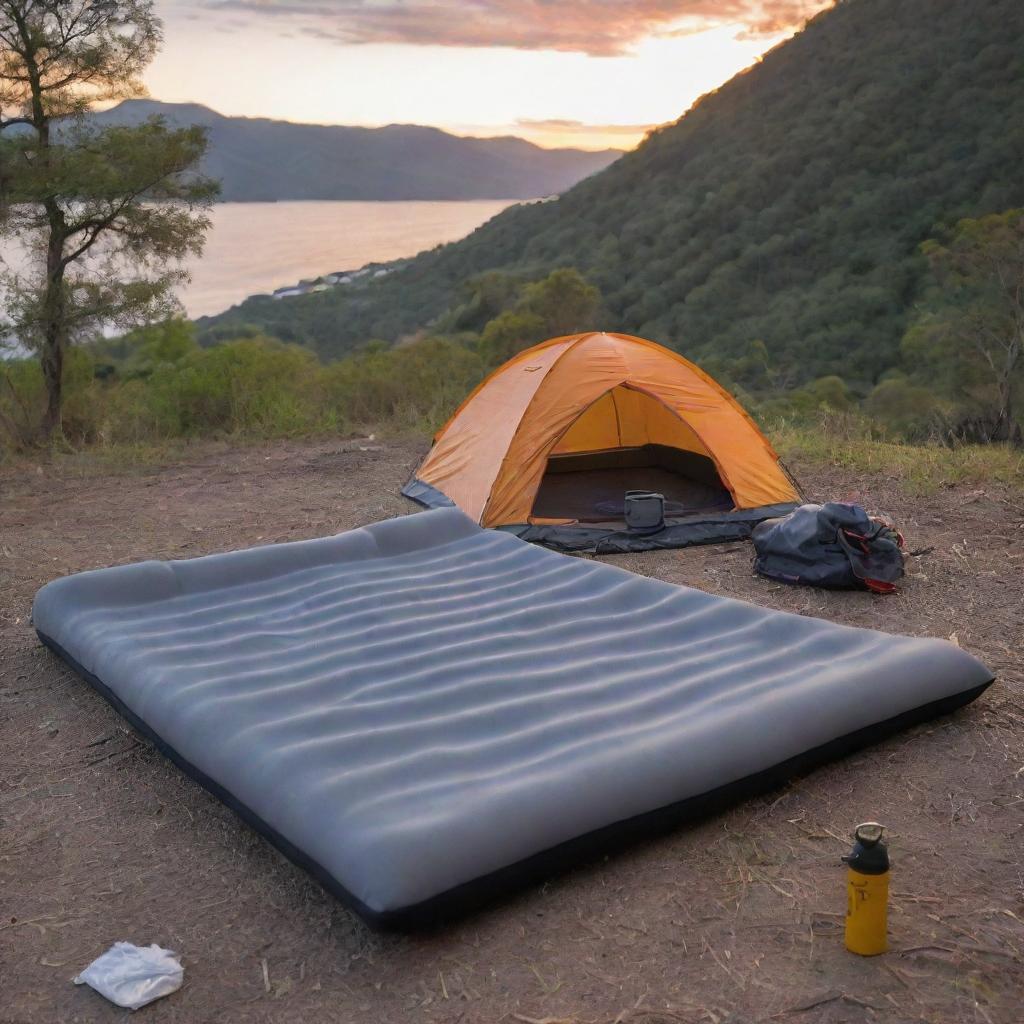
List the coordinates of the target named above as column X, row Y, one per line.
column 737, row 919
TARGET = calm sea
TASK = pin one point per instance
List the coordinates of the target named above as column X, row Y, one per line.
column 257, row 247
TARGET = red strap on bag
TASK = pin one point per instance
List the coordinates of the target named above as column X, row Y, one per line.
column 861, row 541
column 880, row 586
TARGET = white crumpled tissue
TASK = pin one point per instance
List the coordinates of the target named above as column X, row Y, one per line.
column 132, row 976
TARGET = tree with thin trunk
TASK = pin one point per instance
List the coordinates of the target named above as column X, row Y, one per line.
column 973, row 334
column 102, row 216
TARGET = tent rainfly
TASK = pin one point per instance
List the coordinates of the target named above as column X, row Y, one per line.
column 549, row 444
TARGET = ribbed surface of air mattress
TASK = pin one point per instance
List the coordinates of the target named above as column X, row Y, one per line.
column 417, row 709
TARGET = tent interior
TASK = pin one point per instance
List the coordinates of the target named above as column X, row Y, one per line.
column 628, row 440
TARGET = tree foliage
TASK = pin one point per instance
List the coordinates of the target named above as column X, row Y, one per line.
column 102, row 213
column 559, row 304
column 969, row 340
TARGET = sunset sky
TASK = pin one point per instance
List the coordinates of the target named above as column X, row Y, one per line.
column 589, row 73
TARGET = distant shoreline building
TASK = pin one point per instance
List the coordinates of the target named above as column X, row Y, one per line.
column 333, row 280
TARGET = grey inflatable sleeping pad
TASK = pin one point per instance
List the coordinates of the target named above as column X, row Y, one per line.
column 418, row 705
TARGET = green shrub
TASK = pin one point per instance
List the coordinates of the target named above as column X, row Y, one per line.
column 905, row 410
column 508, row 333
column 417, row 385
column 824, row 395
column 253, row 386
column 22, row 398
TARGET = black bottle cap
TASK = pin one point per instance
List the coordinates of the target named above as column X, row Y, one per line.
column 869, row 855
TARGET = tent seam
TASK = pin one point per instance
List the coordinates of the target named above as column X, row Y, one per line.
column 579, row 338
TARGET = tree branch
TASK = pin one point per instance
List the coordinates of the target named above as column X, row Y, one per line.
column 97, row 226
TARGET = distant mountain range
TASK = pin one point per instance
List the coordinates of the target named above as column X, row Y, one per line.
column 261, row 160
column 771, row 233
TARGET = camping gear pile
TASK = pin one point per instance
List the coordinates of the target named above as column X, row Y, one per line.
column 831, row 545
column 423, row 712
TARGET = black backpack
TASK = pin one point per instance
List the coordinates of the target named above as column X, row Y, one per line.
column 832, row 545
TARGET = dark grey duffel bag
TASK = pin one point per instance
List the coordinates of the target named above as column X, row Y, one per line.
column 832, row 545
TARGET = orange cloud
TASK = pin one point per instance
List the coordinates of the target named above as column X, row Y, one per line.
column 562, row 124
column 601, row 28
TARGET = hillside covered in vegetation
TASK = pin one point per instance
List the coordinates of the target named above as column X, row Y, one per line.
column 773, row 233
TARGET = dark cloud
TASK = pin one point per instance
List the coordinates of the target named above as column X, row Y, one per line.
column 597, row 27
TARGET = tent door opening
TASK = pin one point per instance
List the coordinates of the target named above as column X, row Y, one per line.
column 628, row 440
column 592, row 486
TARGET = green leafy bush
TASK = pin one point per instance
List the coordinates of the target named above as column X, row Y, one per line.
column 255, row 386
column 906, row 410
column 161, row 385
column 417, row 385
column 23, row 394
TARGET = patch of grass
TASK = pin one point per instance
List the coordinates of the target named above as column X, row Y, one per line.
column 104, row 459
column 132, row 456
column 920, row 468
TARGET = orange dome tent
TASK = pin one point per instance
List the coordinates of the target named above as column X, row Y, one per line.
column 550, row 442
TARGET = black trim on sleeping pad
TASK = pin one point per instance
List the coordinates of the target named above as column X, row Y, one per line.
column 574, row 852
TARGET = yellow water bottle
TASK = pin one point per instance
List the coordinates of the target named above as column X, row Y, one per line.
column 867, row 892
